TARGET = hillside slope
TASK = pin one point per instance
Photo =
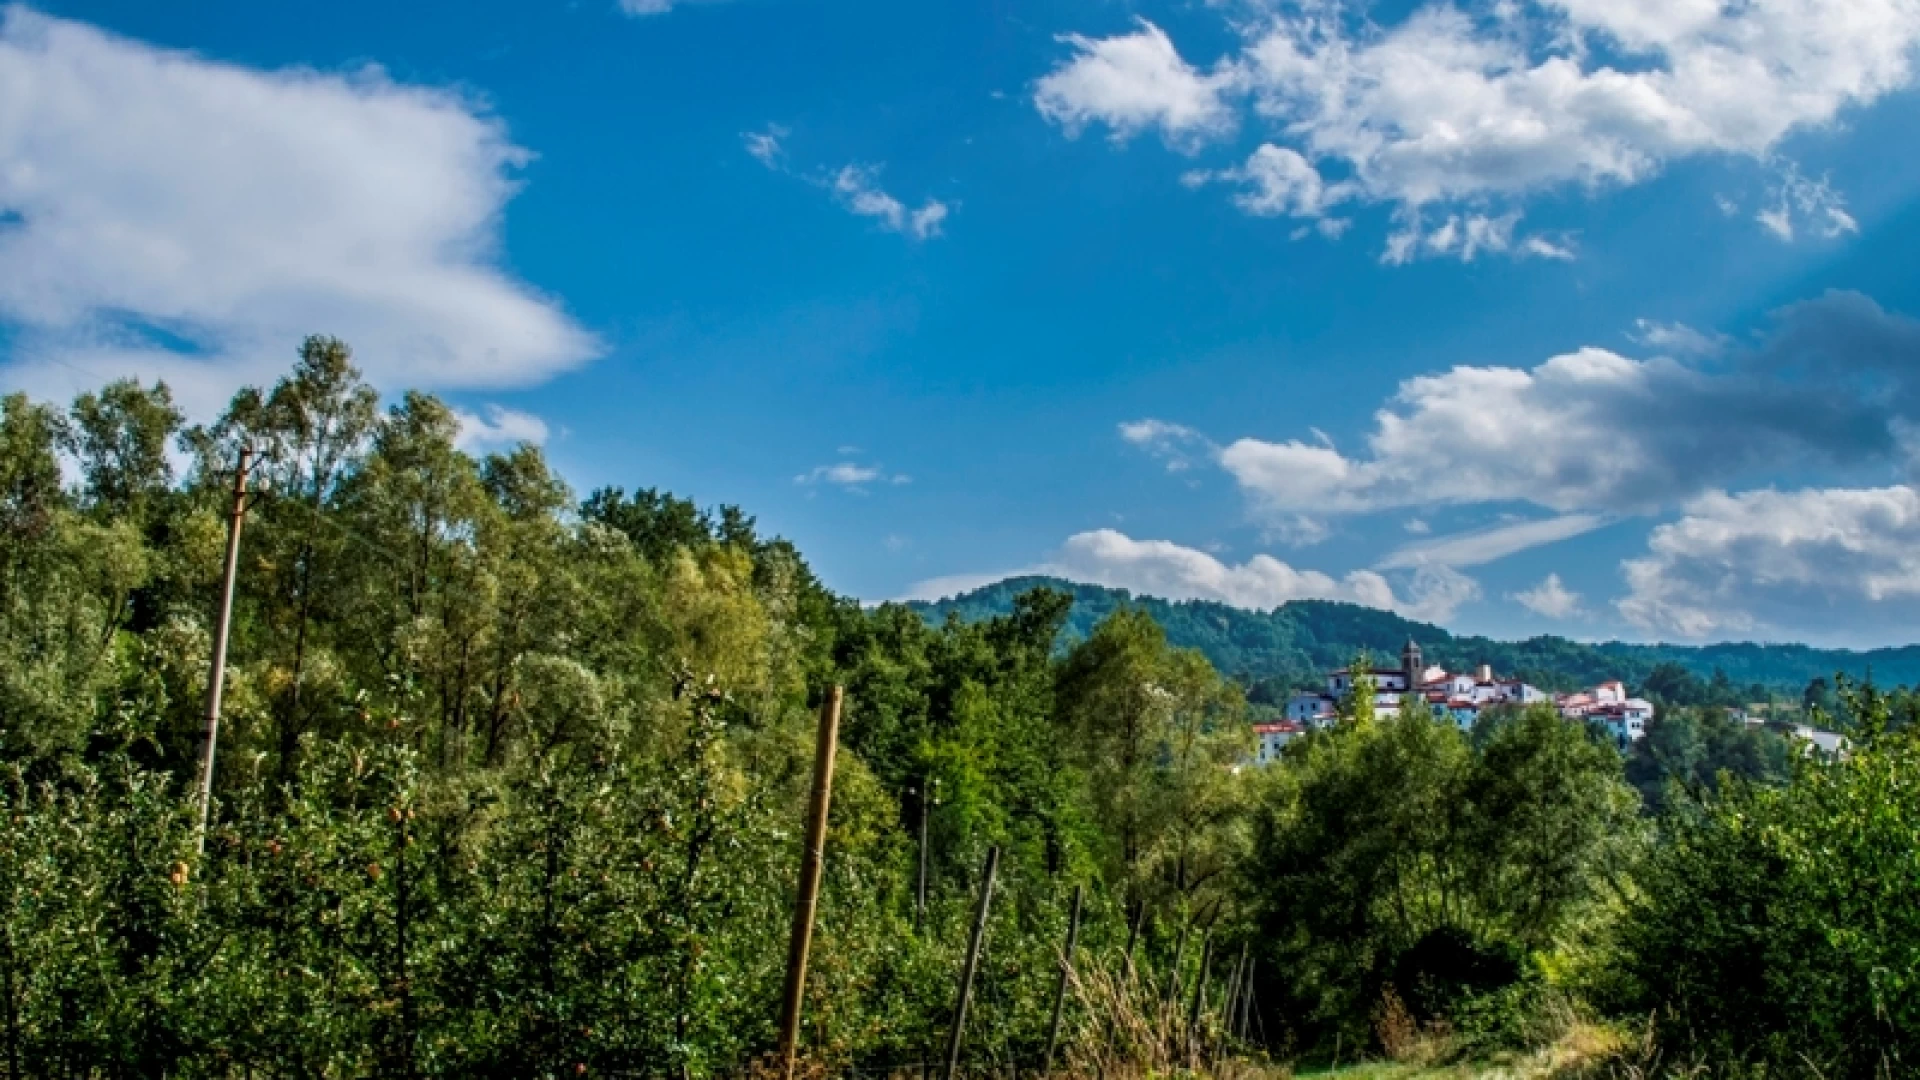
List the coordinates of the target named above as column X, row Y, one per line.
column 1292, row 644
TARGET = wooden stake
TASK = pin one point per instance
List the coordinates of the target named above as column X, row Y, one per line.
column 808, row 900
column 973, row 961
column 1172, row 992
column 1231, row 1011
column 222, row 622
column 1246, row 1001
column 1199, row 994
column 1133, row 935
column 1066, row 969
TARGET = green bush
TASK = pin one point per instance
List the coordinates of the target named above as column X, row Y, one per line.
column 1782, row 926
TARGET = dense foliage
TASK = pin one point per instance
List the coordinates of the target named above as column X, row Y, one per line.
column 1782, row 924
column 510, row 784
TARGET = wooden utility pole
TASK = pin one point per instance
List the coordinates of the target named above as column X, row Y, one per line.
column 972, row 964
column 808, row 900
column 222, row 621
column 1066, row 970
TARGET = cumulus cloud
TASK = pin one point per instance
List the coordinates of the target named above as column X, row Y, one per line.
column 496, row 427
column 1465, row 104
column 1845, row 561
column 1550, row 599
column 1132, row 83
column 1166, row 569
column 170, row 216
column 1593, row 430
column 1177, row 572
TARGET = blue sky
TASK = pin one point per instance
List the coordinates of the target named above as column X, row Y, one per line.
column 1581, row 317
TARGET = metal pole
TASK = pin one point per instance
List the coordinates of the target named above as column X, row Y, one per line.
column 973, row 961
column 1066, row 969
column 803, row 909
column 222, row 623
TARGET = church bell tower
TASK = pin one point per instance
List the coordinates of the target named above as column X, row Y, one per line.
column 1410, row 659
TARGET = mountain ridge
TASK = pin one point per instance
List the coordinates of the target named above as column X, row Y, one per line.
column 1292, row 644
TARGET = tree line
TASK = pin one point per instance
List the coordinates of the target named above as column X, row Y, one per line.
column 511, row 782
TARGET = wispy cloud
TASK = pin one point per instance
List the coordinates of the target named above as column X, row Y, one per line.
column 1488, row 545
column 850, row 475
column 855, row 187
column 859, row 191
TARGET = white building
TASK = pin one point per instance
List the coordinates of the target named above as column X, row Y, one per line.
column 1625, row 718
column 1272, row 739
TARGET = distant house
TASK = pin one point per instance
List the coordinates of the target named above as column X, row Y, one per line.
column 1461, row 697
column 1273, row 738
column 1625, row 718
column 1826, row 743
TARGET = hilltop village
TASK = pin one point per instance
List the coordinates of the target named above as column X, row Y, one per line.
column 1460, row 696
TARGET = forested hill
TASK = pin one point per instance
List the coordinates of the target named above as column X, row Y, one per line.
column 1291, row 645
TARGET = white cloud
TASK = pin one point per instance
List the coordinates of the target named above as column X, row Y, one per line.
column 1463, row 105
column 951, row 585
column 498, row 427
column 1417, row 527
column 1801, row 202
column 1134, row 82
column 1163, row 568
column 765, row 146
column 1280, row 181
column 855, row 187
column 1551, row 599
column 1596, row 431
column 845, row 473
column 850, row 475
column 658, row 7
column 1176, row 572
column 858, row 191
column 1176, row 444
column 1845, row 561
column 1676, row 339
column 1489, row 545
column 180, row 218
